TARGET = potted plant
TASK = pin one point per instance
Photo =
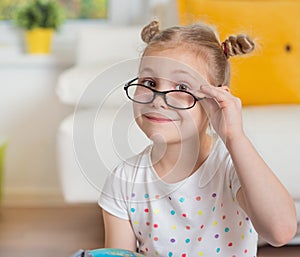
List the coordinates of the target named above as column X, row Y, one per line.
column 39, row 19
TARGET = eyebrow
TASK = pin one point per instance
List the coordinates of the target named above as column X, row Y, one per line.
column 147, row 69
column 179, row 71
column 186, row 73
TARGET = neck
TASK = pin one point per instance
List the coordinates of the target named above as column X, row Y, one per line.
column 177, row 161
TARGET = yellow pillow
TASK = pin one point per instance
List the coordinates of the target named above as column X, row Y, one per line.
column 272, row 74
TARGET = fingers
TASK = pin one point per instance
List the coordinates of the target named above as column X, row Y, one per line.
column 210, row 106
column 221, row 95
column 218, row 93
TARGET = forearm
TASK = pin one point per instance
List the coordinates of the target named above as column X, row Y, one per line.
column 265, row 199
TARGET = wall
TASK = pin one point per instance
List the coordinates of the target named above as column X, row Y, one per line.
column 30, row 114
column 30, row 111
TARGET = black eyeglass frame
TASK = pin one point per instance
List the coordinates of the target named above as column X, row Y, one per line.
column 163, row 93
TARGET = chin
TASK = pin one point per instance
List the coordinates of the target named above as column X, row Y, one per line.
column 164, row 137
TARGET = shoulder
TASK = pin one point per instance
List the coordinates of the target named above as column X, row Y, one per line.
column 129, row 167
column 220, row 153
column 217, row 165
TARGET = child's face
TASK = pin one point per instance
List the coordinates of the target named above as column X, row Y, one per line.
column 171, row 69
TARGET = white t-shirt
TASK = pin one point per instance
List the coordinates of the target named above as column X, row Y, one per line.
column 198, row 216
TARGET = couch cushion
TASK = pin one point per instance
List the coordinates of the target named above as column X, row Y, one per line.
column 274, row 130
column 271, row 75
column 103, row 43
column 86, row 86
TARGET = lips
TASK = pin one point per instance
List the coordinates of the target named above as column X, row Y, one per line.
column 158, row 118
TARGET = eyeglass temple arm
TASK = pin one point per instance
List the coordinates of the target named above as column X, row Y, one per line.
column 129, row 82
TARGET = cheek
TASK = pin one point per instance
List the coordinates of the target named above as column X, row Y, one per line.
column 195, row 120
column 136, row 110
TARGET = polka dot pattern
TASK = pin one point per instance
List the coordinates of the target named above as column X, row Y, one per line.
column 199, row 217
column 191, row 231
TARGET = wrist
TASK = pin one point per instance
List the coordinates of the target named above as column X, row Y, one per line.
column 235, row 140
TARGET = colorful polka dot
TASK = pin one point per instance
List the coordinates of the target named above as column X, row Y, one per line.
column 148, row 223
column 223, row 217
column 155, row 238
column 218, row 250
column 181, row 199
column 172, row 212
column 146, row 196
column 200, row 213
column 172, row 240
column 230, row 244
column 187, row 227
column 132, row 210
column 198, row 198
column 217, row 236
column 187, row 240
column 157, row 196
column 146, row 210
column 226, row 230
column 156, row 211
column 213, row 209
column 170, row 254
column 173, row 227
column 214, row 195
column 183, row 255
column 184, row 215
column 132, row 195
column 215, row 223
column 199, row 239
column 155, row 225
column 201, row 254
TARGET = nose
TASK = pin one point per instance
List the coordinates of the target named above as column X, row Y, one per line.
column 159, row 102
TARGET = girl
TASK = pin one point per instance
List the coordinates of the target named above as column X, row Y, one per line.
column 193, row 192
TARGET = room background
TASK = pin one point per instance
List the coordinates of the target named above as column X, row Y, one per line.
column 30, row 110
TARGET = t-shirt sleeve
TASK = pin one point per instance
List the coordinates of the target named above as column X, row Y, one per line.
column 233, row 179
column 113, row 195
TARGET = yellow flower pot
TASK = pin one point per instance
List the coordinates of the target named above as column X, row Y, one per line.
column 38, row 41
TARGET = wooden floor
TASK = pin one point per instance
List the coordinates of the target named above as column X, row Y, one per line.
column 49, row 232
column 61, row 231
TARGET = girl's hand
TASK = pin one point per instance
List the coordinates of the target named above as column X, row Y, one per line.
column 224, row 111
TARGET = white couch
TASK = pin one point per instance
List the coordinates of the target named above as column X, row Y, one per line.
column 102, row 132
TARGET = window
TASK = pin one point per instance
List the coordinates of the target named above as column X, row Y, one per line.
column 74, row 9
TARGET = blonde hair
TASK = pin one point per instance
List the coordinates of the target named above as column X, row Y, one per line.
column 204, row 40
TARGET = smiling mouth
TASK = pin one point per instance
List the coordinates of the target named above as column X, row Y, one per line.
column 158, row 119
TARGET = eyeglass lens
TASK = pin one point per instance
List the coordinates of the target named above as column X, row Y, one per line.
column 176, row 99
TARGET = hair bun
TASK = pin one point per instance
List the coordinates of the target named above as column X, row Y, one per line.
column 150, row 31
column 237, row 45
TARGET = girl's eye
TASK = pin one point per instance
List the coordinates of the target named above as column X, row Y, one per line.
column 148, row 83
column 182, row 87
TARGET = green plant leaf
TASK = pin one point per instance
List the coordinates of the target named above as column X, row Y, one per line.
column 40, row 14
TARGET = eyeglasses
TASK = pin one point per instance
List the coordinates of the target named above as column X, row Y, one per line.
column 177, row 99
